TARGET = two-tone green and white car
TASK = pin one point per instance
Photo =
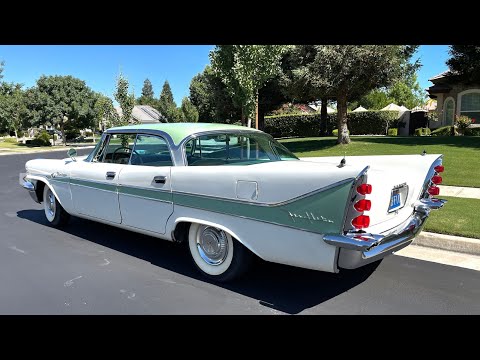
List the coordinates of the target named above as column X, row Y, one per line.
column 233, row 192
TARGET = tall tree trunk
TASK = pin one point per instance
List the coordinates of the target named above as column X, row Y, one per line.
column 242, row 119
column 16, row 134
column 343, row 137
column 323, row 118
column 261, row 118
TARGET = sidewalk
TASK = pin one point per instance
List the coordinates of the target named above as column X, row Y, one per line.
column 458, row 191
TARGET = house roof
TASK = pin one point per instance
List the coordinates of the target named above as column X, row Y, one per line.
column 440, row 76
column 144, row 114
column 179, row 131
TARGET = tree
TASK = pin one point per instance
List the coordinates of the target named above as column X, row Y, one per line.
column 465, row 62
column 167, row 106
column 210, row 96
column 106, row 115
column 351, row 71
column 190, row 112
column 125, row 100
column 64, row 101
column 2, row 64
column 13, row 110
column 245, row 69
column 147, row 97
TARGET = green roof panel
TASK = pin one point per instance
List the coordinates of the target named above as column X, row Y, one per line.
column 179, row 131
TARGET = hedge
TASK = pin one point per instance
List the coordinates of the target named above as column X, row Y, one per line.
column 422, row 132
column 359, row 123
column 392, row 132
column 472, row 131
column 442, row 131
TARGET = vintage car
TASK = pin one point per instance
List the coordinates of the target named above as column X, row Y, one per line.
column 233, row 192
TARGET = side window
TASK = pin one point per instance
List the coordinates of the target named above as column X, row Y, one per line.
column 151, row 150
column 97, row 153
column 119, row 149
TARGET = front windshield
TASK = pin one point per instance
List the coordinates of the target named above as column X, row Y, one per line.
column 235, row 149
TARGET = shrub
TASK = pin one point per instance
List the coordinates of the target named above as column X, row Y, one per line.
column 422, row 132
column 442, row 131
column 462, row 122
column 88, row 133
column 472, row 131
column 392, row 132
column 72, row 134
column 360, row 123
column 41, row 139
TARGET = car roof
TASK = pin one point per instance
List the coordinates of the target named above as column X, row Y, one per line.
column 179, row 131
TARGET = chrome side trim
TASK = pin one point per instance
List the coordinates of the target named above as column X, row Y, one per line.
column 145, row 198
column 285, row 202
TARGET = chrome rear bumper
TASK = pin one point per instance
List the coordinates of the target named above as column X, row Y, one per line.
column 358, row 249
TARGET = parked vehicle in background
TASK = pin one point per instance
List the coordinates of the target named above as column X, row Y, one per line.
column 232, row 193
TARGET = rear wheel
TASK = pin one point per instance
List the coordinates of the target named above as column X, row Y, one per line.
column 216, row 254
column 54, row 211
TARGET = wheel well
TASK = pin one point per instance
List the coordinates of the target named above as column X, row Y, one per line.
column 180, row 234
column 39, row 190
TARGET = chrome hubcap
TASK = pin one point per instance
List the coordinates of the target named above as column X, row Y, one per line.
column 50, row 203
column 212, row 245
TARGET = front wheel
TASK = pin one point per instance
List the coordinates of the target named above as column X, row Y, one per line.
column 216, row 254
column 54, row 211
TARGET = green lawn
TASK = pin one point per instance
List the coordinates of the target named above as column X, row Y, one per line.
column 461, row 153
column 20, row 147
column 458, row 217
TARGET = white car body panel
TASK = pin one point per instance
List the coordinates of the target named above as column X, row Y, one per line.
column 241, row 199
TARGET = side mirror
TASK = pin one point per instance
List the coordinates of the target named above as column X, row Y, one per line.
column 72, row 153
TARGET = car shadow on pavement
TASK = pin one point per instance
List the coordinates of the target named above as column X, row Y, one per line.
column 284, row 288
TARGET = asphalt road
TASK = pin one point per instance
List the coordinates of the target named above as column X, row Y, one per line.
column 90, row 268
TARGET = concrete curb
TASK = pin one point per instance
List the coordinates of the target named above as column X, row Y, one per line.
column 448, row 242
column 2, row 153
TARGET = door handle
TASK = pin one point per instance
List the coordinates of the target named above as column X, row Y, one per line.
column 160, row 179
column 110, row 174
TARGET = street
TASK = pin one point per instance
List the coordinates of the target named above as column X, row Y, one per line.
column 91, row 268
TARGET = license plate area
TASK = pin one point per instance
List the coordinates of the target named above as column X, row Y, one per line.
column 398, row 197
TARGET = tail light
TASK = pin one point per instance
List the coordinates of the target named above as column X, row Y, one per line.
column 364, row 189
column 439, row 168
column 433, row 190
column 360, row 222
column 437, row 179
column 363, row 205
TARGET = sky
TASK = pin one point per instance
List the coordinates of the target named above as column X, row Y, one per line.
column 99, row 65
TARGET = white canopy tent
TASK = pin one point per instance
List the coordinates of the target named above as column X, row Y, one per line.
column 359, row 109
column 392, row 107
column 403, row 108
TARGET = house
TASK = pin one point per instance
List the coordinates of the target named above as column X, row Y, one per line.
column 144, row 114
column 454, row 97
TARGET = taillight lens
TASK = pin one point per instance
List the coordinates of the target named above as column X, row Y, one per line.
column 364, row 189
column 437, row 179
column 362, row 221
column 439, row 168
column 363, row 205
column 433, row 190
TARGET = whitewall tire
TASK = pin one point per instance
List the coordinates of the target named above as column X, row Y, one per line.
column 216, row 254
column 54, row 212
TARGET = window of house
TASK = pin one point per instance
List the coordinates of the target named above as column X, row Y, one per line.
column 471, row 106
column 449, row 111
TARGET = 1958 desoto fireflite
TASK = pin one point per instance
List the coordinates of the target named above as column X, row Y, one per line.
column 232, row 192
